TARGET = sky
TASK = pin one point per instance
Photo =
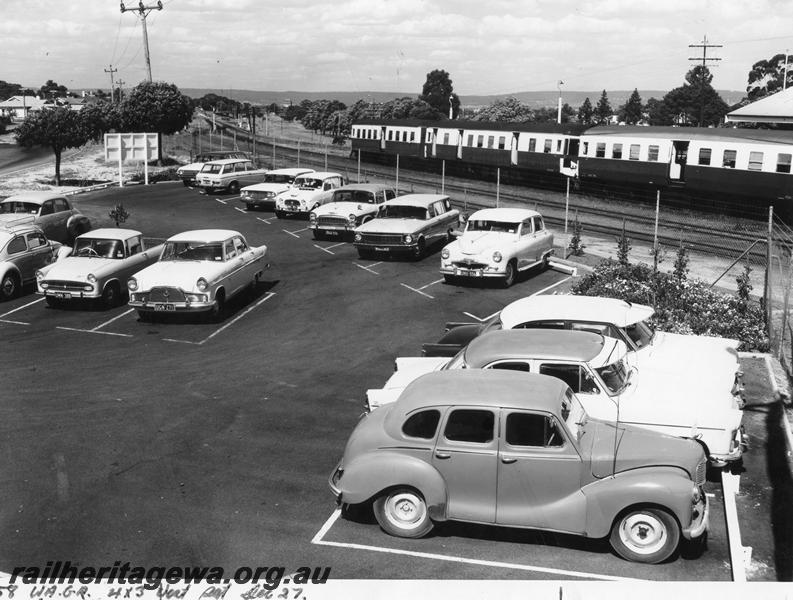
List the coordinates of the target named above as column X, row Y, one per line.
column 487, row 47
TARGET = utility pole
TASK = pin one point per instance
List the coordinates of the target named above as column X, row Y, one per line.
column 120, row 93
column 704, row 45
column 112, row 85
column 143, row 12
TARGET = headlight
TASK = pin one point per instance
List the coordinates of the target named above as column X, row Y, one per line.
column 408, row 239
column 132, row 284
column 39, row 275
column 445, row 253
column 202, row 284
column 358, row 237
column 695, row 496
column 497, row 256
column 88, row 287
column 91, row 277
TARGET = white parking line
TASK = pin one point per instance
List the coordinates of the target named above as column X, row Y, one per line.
column 242, row 210
column 98, row 327
column 264, row 220
column 429, row 284
column 318, row 540
column 327, row 248
column 266, row 297
column 417, row 291
column 551, row 286
column 481, row 320
column 13, row 322
column 219, row 200
column 295, row 232
column 367, row 267
column 21, row 307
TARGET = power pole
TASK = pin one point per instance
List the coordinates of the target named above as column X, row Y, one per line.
column 704, row 45
column 120, row 93
column 112, row 85
column 143, row 12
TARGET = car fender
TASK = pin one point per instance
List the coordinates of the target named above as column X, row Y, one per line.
column 665, row 487
column 7, row 267
column 370, row 474
column 63, row 252
column 77, row 224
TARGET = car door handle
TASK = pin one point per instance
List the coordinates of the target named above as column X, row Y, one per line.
column 508, row 460
column 443, row 455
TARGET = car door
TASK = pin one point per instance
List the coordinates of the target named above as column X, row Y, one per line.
column 17, row 251
column 466, row 455
column 526, row 244
column 539, row 474
column 48, row 220
column 40, row 251
column 542, row 237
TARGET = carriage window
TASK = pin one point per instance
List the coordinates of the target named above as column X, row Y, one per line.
column 446, row 138
column 547, row 147
column 585, row 150
column 634, row 152
column 412, row 136
column 783, row 163
column 490, row 140
column 422, row 424
column 390, row 135
column 755, row 161
column 729, row 159
column 600, row 150
column 502, row 142
column 480, row 141
column 527, row 429
column 558, row 145
column 704, row 156
column 616, row 151
column 470, row 143
column 467, row 425
column 532, row 145
column 652, row 153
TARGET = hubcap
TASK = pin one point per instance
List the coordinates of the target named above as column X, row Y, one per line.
column 643, row 533
column 9, row 286
column 405, row 510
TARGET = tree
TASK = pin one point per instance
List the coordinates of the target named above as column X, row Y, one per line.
column 586, row 112
column 695, row 102
column 603, row 110
column 52, row 90
column 766, row 77
column 509, row 110
column 631, row 112
column 9, row 89
column 58, row 128
column 438, row 92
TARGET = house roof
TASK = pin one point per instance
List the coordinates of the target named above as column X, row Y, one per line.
column 777, row 108
column 30, row 102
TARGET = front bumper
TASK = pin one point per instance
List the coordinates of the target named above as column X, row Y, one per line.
column 738, row 445
column 701, row 522
column 474, row 272
column 390, row 248
column 333, row 481
column 262, row 203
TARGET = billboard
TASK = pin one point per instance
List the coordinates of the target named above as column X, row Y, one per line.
column 131, row 146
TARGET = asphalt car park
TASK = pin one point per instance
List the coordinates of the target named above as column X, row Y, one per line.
column 187, row 441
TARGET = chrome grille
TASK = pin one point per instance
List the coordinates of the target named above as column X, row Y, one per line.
column 292, row 204
column 332, row 221
column 464, row 264
column 702, row 469
column 166, row 294
column 381, row 239
column 65, row 286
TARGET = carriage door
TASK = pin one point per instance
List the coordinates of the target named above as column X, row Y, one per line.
column 569, row 161
column 513, row 148
column 434, row 142
column 382, row 138
column 459, row 143
column 678, row 166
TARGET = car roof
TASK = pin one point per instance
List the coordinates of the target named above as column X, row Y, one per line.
column 110, row 233
column 204, row 235
column 7, row 231
column 290, row 171
column 543, row 344
column 367, row 187
column 504, row 214
column 481, row 387
column 34, row 197
column 321, row 174
column 584, row 308
column 416, row 200
column 226, row 161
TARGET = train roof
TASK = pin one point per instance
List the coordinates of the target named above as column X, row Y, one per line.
column 725, row 134
column 563, row 128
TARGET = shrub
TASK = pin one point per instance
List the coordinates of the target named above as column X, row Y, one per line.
column 575, row 245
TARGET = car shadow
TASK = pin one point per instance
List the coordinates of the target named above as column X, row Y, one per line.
column 494, row 282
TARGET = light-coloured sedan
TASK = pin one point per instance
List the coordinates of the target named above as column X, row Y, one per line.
column 261, row 196
column 53, row 213
column 24, row 249
column 198, row 272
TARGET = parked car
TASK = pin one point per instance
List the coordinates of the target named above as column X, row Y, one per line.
column 348, row 207
column 187, row 173
column 498, row 243
column 713, row 359
column 520, row 450
column 23, row 249
column 53, row 213
column 307, row 193
column 408, row 224
column 262, row 195
column 198, row 272
column 98, row 268
column 229, row 175
column 597, row 370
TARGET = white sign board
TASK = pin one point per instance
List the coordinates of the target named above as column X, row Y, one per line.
column 120, row 147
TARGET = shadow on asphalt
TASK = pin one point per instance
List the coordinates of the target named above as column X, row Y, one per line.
column 782, row 492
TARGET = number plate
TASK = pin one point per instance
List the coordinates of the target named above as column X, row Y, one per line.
column 380, row 249
column 63, row 295
column 164, row 307
column 331, row 232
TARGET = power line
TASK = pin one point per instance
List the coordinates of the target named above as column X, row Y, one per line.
column 704, row 45
column 143, row 12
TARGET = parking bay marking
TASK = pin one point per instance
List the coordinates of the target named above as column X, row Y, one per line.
column 419, row 290
column 242, row 210
column 98, row 327
column 318, row 540
column 219, row 200
column 327, row 248
column 483, row 319
column 15, row 310
column 264, row 220
column 266, row 297
column 368, row 267
column 295, row 232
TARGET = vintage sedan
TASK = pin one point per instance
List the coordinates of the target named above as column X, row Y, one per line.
column 198, row 272
column 349, row 207
column 229, row 175
column 23, row 249
column 498, row 243
column 53, row 213
column 408, row 224
column 262, row 195
column 98, row 268
column 597, row 369
column 520, row 450
column 307, row 193
column 187, row 173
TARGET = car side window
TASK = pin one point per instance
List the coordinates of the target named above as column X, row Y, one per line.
column 601, row 328
column 541, row 325
column 526, row 228
column 512, row 365
column 60, row 205
column 531, row 429
column 390, row 194
column 228, row 249
column 422, row 424
column 538, row 224
column 16, row 245
column 239, row 245
column 36, row 240
column 47, row 208
column 327, row 185
column 575, row 376
column 470, row 425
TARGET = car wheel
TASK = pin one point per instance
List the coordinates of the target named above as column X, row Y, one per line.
column 365, row 254
column 403, row 513
column 52, row 302
column 546, row 261
column 449, row 237
column 111, row 295
column 145, row 316
column 420, row 249
column 9, row 286
column 234, row 188
column 510, row 273
column 216, row 314
column 280, row 214
column 450, row 279
column 185, row 183
column 319, row 235
column 646, row 535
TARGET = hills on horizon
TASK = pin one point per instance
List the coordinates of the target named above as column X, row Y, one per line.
column 532, row 99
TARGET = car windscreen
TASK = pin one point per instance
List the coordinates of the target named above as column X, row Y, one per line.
column 98, row 248
column 400, row 211
column 358, row 196
column 193, row 251
column 20, row 208
column 614, row 376
column 308, row 184
column 641, row 334
column 497, row 226
column 275, row 178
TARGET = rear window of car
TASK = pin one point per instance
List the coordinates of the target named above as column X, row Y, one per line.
column 422, row 424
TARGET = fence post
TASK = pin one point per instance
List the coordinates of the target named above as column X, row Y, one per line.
column 768, row 284
column 566, row 211
column 396, row 184
column 498, row 184
column 655, row 232
column 443, row 176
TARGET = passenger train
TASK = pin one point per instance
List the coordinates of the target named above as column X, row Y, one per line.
column 733, row 170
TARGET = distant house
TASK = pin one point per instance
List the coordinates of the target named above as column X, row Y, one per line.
column 18, row 107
